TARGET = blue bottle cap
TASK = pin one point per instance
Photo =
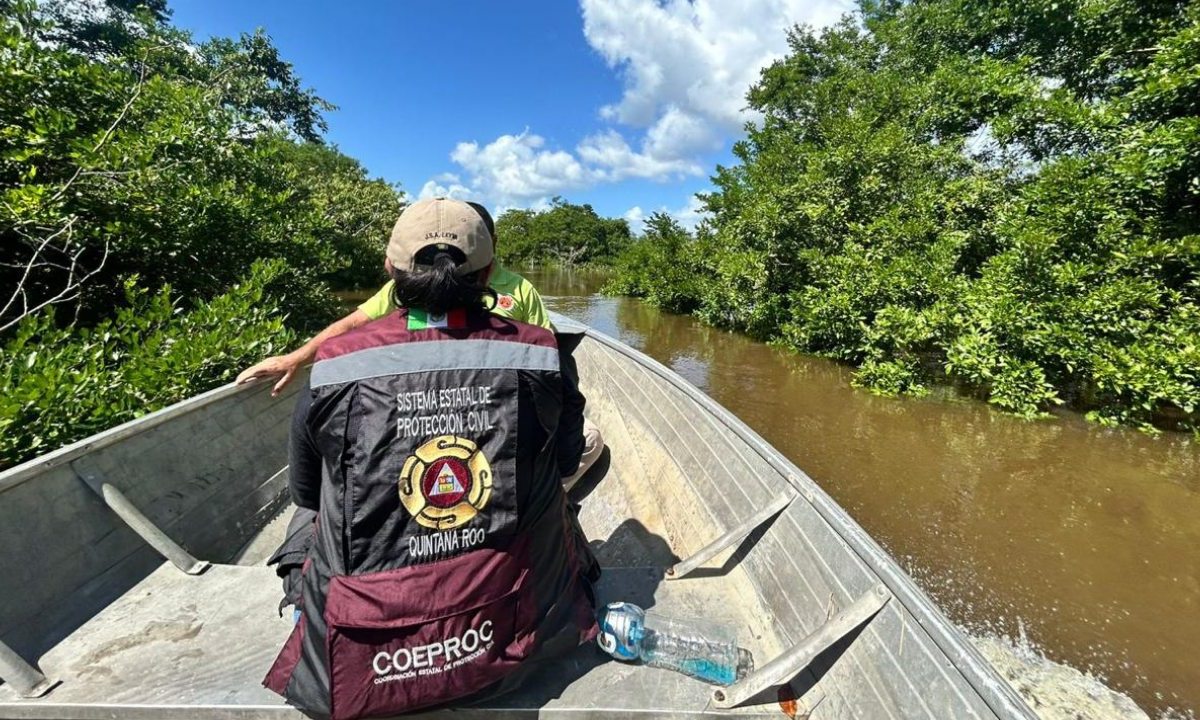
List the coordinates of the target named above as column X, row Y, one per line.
column 620, row 630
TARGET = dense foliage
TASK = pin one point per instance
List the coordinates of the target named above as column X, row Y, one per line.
column 66, row 383
column 665, row 265
column 133, row 159
column 564, row 233
column 1002, row 194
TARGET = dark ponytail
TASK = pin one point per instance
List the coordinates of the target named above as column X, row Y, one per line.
column 438, row 288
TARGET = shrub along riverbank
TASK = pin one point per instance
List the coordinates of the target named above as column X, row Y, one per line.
column 1000, row 195
column 562, row 234
column 168, row 214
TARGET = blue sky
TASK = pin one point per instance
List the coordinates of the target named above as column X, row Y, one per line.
column 625, row 104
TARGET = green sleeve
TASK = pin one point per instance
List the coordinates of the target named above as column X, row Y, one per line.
column 533, row 309
column 380, row 303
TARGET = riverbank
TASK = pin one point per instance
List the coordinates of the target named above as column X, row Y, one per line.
column 1072, row 535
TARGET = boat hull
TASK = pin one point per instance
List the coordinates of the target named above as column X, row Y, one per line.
column 130, row 635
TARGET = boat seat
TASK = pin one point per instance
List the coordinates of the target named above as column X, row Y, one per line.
column 175, row 642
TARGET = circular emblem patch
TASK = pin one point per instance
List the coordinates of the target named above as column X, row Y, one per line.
column 445, row 482
column 506, row 302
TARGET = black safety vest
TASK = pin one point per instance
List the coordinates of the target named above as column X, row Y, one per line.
column 445, row 553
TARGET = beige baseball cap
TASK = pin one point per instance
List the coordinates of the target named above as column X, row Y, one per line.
column 440, row 222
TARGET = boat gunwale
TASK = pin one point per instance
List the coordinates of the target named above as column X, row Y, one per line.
column 995, row 691
column 19, row 474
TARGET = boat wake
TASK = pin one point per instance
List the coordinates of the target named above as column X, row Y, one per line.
column 1056, row 691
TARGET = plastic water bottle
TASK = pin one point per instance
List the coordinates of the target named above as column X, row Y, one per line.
column 704, row 650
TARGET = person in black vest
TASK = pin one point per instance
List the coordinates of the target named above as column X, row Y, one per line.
column 430, row 444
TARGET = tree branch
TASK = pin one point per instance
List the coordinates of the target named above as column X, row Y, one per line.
column 76, row 276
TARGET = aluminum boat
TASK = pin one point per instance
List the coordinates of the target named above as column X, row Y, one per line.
column 133, row 581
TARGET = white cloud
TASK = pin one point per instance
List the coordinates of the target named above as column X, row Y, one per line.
column 515, row 170
column 686, row 66
column 678, row 134
column 689, row 216
column 453, row 188
column 636, row 219
column 694, row 59
column 612, row 160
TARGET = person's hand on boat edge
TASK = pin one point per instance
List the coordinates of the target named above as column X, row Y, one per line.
column 278, row 365
column 287, row 365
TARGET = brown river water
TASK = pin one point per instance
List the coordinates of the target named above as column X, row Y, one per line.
column 1079, row 540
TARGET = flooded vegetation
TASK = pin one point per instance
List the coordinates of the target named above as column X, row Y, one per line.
column 1078, row 539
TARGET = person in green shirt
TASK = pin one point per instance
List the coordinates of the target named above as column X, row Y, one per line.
column 516, row 298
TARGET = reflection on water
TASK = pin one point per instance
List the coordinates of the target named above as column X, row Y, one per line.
column 1086, row 537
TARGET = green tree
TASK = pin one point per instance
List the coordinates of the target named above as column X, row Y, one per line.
column 564, row 233
column 663, row 265
column 64, row 383
column 168, row 214
column 1002, row 195
column 178, row 163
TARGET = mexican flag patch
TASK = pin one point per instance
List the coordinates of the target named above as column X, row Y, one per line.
column 422, row 320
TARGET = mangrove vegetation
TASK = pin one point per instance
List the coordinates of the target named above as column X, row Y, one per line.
column 562, row 234
column 168, row 215
column 998, row 194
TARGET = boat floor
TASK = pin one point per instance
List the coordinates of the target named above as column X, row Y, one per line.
column 176, row 645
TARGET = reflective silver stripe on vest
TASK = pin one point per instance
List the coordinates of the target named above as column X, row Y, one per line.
column 416, row 357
